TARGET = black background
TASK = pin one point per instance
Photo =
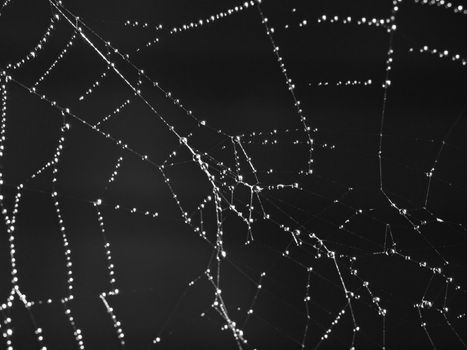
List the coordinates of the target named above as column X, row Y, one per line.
column 226, row 73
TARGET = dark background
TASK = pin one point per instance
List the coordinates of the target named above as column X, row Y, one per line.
column 226, row 73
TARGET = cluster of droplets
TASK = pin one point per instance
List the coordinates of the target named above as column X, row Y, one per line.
column 273, row 132
column 367, row 82
column 363, row 21
column 39, row 46
column 145, row 25
column 376, row 22
column 8, row 332
column 356, row 213
column 200, row 229
column 66, row 245
column 389, row 61
column 375, row 300
column 386, row 84
column 135, row 210
column 4, row 4
column 307, row 300
column 108, row 251
column 94, row 85
column 116, row 323
column 334, row 323
column 259, row 287
column 293, row 137
column 443, row 54
column 10, row 221
column 148, row 44
column 290, row 85
column 114, row 174
column 140, row 24
column 3, row 97
column 6, row 329
column 323, row 251
column 390, row 249
column 220, row 307
column 55, row 198
column 459, row 9
column 213, row 18
column 77, row 333
column 114, row 112
column 113, row 290
column 57, row 60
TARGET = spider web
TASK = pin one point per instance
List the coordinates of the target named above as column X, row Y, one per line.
column 233, row 175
